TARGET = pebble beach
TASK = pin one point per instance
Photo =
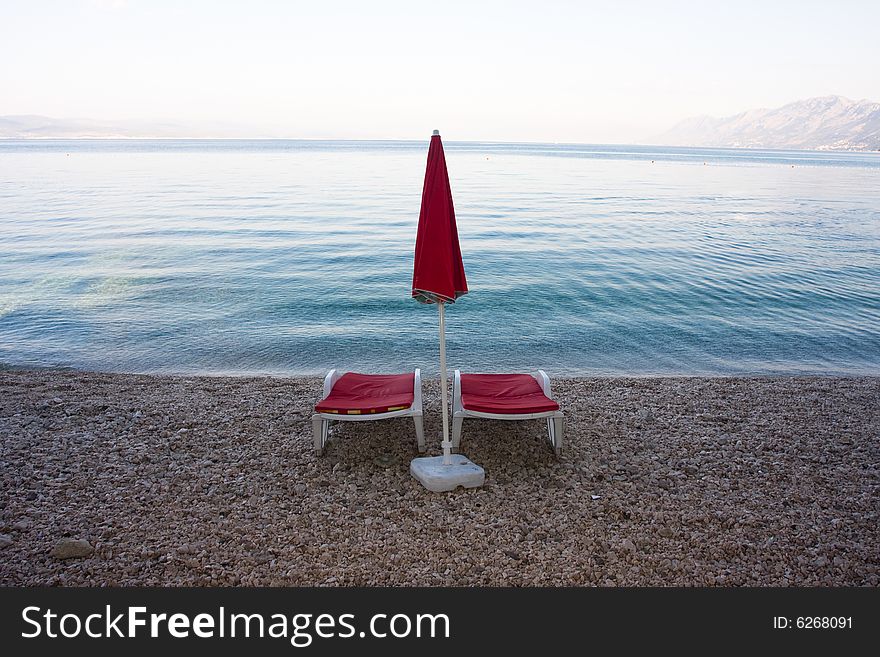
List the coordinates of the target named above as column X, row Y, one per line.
column 144, row 480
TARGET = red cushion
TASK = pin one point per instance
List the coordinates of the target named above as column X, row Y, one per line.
column 356, row 394
column 504, row 393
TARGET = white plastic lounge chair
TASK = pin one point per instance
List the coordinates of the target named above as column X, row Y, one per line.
column 353, row 397
column 506, row 397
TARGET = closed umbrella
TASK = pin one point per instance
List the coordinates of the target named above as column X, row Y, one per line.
column 438, row 278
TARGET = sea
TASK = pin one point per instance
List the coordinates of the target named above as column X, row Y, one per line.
column 289, row 257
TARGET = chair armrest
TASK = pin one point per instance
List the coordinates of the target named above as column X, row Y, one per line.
column 417, row 390
column 544, row 382
column 330, row 380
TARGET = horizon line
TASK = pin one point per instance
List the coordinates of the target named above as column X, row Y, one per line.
column 417, row 141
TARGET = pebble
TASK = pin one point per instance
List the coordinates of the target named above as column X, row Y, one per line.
column 732, row 481
column 71, row 548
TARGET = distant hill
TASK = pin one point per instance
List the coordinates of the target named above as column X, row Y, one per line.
column 826, row 123
column 32, row 126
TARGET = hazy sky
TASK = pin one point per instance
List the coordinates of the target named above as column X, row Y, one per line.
column 512, row 71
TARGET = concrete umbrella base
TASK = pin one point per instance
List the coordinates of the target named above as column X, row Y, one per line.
column 436, row 477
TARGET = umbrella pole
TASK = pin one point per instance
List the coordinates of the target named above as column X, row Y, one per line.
column 443, row 473
column 447, row 446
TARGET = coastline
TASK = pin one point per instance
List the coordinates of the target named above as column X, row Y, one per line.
column 207, row 480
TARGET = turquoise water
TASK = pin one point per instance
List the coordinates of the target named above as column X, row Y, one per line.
column 294, row 256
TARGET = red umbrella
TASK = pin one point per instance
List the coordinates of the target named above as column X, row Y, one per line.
column 438, row 273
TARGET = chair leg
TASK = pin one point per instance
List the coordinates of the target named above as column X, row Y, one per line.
column 319, row 430
column 558, row 431
column 456, row 431
column 420, row 432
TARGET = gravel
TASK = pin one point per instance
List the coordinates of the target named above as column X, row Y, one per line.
column 213, row 481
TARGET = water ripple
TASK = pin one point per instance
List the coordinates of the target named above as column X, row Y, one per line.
column 292, row 257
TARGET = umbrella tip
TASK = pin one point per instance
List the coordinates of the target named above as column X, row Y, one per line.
column 436, row 132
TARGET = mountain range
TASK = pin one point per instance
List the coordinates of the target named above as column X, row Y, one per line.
column 33, row 126
column 823, row 124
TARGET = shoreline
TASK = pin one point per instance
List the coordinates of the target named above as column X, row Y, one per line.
column 430, row 375
column 211, row 480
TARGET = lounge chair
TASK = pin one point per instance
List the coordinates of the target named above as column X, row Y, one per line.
column 352, row 397
column 506, row 397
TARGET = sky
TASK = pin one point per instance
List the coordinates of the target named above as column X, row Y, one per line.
column 548, row 71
